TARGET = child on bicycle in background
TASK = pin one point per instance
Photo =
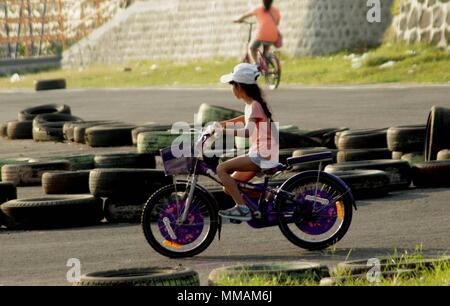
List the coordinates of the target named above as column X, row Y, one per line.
column 268, row 18
column 263, row 152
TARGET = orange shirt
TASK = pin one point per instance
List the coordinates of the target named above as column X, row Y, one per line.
column 267, row 30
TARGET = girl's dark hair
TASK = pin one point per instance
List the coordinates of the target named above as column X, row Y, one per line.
column 267, row 4
column 253, row 91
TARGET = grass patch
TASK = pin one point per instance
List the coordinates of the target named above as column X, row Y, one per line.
column 437, row 274
column 411, row 64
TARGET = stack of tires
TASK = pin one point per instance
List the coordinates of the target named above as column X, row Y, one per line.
column 126, row 190
column 434, row 171
column 23, row 127
column 363, row 163
column 407, row 143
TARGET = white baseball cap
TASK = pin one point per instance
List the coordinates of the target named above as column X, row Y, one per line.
column 243, row 73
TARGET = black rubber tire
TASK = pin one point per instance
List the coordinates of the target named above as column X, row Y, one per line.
column 283, row 272
column 406, row 138
column 326, row 137
column 124, row 210
column 397, row 155
column 29, row 114
column 69, row 128
column 30, row 174
column 296, row 140
column 149, row 127
column 50, row 84
column 365, row 184
column 152, row 142
column 438, row 129
column 146, row 215
column 66, row 182
column 75, row 131
column 78, row 161
column 125, row 160
column 399, row 171
column 389, row 264
column 443, row 155
column 210, row 113
column 53, row 211
column 433, row 174
column 4, row 130
column 114, row 135
column 49, row 127
column 179, row 276
column 414, row 158
column 123, row 183
column 362, row 154
column 20, row 130
column 347, row 201
column 8, row 192
column 313, row 165
column 362, row 139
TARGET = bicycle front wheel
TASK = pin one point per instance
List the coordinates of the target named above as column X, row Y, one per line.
column 320, row 214
column 165, row 230
column 273, row 73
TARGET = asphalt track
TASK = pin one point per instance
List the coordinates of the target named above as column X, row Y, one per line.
column 402, row 221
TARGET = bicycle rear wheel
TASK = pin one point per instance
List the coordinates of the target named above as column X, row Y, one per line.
column 273, row 74
column 319, row 216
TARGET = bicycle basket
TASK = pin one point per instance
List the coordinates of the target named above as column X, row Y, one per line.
column 175, row 165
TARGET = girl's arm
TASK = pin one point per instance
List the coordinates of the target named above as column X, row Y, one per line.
column 243, row 17
column 240, row 119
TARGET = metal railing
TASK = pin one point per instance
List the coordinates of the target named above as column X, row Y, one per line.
column 46, row 27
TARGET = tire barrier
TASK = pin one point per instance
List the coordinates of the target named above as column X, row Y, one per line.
column 49, row 127
column 29, row 114
column 326, row 137
column 406, row 138
column 4, row 130
column 282, row 272
column 125, row 160
column 443, row 155
column 8, row 192
column 114, row 135
column 149, row 127
column 365, row 184
column 30, row 174
column 52, row 212
column 361, row 139
column 399, row 171
column 438, row 129
column 12, row 161
column 313, row 165
column 69, row 128
column 362, row 154
column 128, row 210
column 19, row 130
column 431, row 174
column 78, row 161
column 66, row 182
column 152, row 142
column 155, row 276
column 123, row 183
column 209, row 113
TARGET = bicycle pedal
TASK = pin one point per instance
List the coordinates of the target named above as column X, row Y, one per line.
column 235, row 221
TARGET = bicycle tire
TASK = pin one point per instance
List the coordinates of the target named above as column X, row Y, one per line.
column 151, row 239
column 273, row 84
column 342, row 230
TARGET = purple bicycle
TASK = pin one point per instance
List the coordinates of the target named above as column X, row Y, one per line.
column 313, row 209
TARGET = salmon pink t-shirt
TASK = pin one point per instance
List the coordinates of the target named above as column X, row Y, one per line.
column 267, row 30
column 262, row 140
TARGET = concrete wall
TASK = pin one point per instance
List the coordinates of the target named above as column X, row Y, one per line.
column 198, row 29
column 426, row 21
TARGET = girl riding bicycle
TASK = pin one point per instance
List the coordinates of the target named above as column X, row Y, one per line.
column 259, row 127
column 268, row 18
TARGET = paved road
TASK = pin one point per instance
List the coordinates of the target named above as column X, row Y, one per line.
column 401, row 221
